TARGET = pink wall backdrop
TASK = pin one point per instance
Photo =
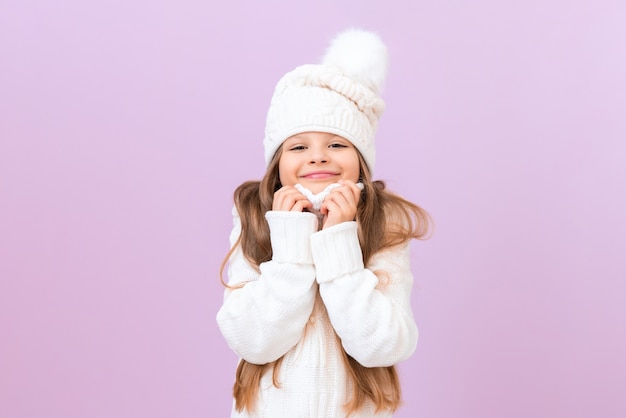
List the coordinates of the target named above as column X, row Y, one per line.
column 126, row 125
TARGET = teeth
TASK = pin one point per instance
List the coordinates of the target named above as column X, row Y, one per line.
column 318, row 198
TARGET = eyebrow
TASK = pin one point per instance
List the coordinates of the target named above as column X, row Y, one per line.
column 293, row 140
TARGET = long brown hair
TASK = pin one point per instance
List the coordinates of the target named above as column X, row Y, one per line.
column 384, row 219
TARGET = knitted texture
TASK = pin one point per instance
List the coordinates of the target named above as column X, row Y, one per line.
column 318, row 199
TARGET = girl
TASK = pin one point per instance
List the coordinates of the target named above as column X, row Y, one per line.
column 317, row 303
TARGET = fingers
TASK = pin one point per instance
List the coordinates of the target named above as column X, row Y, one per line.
column 341, row 204
column 356, row 190
column 287, row 198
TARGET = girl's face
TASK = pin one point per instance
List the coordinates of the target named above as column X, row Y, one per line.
column 317, row 159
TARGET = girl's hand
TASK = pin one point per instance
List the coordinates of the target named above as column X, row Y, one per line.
column 340, row 205
column 288, row 198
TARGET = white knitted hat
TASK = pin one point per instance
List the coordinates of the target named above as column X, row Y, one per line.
column 340, row 96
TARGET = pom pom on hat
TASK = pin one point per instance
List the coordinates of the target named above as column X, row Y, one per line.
column 339, row 96
column 360, row 55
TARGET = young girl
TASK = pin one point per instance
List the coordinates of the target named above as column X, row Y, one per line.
column 317, row 303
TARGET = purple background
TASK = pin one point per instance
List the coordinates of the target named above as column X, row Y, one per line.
column 125, row 126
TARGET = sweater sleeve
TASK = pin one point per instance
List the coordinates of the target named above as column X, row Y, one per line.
column 369, row 307
column 264, row 312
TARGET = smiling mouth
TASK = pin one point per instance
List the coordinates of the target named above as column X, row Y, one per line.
column 319, row 175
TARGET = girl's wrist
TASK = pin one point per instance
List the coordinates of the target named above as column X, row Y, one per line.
column 290, row 235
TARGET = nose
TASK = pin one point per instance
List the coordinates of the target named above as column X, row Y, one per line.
column 318, row 155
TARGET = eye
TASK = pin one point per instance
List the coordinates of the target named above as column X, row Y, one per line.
column 297, row 148
column 338, row 145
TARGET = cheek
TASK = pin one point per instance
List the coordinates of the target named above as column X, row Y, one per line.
column 355, row 171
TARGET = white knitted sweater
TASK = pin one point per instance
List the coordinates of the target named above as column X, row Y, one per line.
column 316, row 282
